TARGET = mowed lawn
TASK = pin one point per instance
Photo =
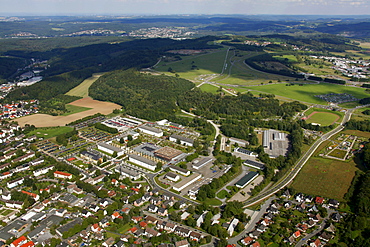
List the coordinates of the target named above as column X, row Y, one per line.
column 50, row 132
column 209, row 88
column 325, row 177
column 72, row 109
column 307, row 92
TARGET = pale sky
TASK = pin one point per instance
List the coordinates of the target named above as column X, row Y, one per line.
column 127, row 7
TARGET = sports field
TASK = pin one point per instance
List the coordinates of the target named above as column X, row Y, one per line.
column 307, row 92
column 322, row 118
column 82, row 90
column 325, row 177
column 44, row 120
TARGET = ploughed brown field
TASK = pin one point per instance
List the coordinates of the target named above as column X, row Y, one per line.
column 44, row 120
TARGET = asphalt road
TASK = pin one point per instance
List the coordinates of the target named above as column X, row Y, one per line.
column 298, row 166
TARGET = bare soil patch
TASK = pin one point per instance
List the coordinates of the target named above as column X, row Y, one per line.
column 44, row 120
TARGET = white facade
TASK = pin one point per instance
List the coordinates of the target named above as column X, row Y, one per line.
column 141, row 161
column 151, row 131
column 15, row 183
column 187, row 181
column 105, row 147
column 42, row 171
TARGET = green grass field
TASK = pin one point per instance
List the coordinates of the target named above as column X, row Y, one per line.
column 323, row 118
column 290, row 58
column 72, row 109
column 222, row 194
column 47, row 133
column 307, row 92
column 209, row 63
column 209, row 88
column 213, row 202
column 325, row 177
column 82, row 90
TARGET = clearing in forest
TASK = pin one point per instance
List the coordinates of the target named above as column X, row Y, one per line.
column 82, row 90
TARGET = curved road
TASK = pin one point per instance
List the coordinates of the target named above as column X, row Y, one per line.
column 295, row 170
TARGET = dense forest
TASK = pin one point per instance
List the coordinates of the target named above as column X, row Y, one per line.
column 244, row 106
column 354, row 230
column 147, row 96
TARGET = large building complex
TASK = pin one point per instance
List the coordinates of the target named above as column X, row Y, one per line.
column 142, row 161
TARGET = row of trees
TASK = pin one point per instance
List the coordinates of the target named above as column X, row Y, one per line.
column 106, row 128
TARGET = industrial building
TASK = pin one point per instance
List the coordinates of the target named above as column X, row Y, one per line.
column 244, row 181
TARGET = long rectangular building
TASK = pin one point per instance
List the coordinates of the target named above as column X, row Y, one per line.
column 141, row 161
column 199, row 163
column 187, row 181
column 254, row 164
column 108, row 148
column 151, row 130
column 249, row 177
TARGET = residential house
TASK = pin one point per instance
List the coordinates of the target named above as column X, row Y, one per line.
column 247, row 240
column 182, row 243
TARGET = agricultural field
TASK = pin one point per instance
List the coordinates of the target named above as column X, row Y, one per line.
column 325, row 177
column 82, row 90
column 72, row 109
column 44, row 120
column 358, row 115
column 306, row 92
column 51, row 132
column 364, row 54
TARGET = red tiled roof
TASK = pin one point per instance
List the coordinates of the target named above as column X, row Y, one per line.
column 19, row 240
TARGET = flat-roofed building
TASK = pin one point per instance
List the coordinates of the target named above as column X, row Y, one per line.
column 249, row 177
column 172, row 176
column 246, row 152
column 182, row 139
column 180, row 170
column 167, row 153
column 199, row 163
column 187, row 181
column 240, row 142
column 108, row 148
column 128, row 173
column 254, row 164
column 151, row 130
column 142, row 161
column 266, row 139
column 91, row 157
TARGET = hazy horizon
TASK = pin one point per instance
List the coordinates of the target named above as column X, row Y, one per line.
column 175, row 7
